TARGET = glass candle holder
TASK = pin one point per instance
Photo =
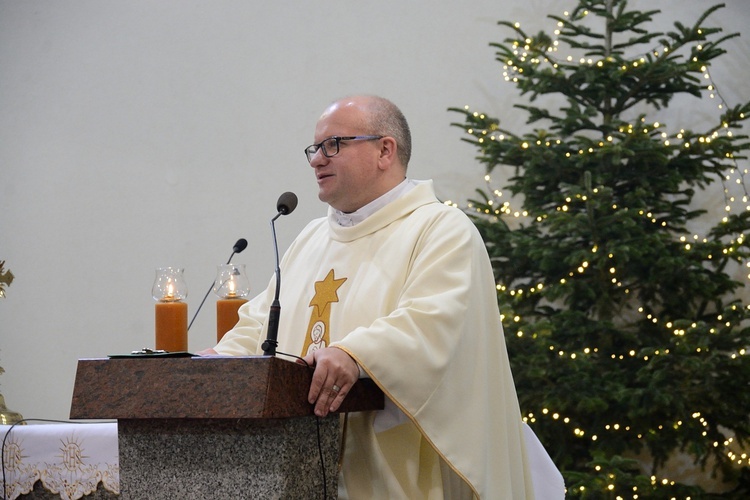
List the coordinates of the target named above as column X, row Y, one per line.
column 232, row 287
column 171, row 312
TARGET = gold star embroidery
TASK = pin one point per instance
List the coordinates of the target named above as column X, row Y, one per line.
column 318, row 335
column 325, row 292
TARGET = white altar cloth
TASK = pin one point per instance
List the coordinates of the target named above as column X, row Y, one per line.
column 69, row 459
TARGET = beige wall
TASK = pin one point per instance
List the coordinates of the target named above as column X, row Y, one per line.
column 141, row 134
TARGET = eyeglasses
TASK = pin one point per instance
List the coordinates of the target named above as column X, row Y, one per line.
column 330, row 146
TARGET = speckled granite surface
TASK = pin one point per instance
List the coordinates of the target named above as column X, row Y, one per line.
column 221, row 458
column 211, row 387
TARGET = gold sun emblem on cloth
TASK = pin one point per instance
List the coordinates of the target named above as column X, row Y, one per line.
column 13, row 454
column 72, row 454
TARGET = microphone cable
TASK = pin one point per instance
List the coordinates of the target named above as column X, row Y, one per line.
column 317, row 428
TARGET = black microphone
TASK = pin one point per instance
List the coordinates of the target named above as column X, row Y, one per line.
column 286, row 205
column 237, row 248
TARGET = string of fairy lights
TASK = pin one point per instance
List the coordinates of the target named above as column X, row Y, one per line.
column 503, row 208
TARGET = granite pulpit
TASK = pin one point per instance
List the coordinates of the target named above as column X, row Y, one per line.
column 216, row 427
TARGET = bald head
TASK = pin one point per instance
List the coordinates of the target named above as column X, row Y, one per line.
column 361, row 149
column 379, row 116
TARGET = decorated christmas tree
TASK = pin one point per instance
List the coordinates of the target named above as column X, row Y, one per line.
column 621, row 293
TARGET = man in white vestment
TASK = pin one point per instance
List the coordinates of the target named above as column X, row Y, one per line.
column 395, row 286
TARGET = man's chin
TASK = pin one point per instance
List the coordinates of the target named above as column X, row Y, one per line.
column 325, row 196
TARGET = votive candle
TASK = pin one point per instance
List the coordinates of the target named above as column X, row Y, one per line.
column 171, row 325
column 227, row 315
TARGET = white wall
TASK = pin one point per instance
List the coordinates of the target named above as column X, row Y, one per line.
column 138, row 134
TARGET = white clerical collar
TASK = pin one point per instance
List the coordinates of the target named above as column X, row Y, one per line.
column 354, row 218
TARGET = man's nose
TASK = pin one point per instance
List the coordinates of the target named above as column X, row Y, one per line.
column 318, row 158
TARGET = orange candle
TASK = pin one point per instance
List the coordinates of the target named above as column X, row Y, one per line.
column 226, row 315
column 171, row 326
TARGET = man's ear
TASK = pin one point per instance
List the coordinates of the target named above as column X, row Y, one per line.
column 388, row 151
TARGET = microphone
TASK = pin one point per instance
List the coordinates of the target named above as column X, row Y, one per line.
column 237, row 248
column 286, row 205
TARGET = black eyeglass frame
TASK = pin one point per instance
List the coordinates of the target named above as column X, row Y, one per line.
column 312, row 149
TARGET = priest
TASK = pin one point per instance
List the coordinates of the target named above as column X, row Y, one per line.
column 395, row 286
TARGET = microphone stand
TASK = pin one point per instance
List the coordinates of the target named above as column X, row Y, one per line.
column 286, row 205
column 235, row 250
column 274, row 312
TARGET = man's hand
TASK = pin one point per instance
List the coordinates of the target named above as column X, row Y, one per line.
column 335, row 374
column 207, row 352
